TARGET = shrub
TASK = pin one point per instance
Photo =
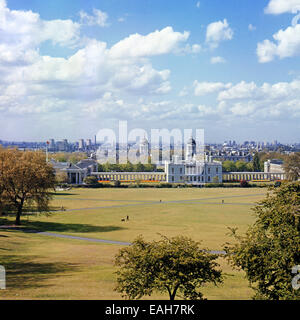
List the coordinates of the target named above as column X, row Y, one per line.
column 244, row 184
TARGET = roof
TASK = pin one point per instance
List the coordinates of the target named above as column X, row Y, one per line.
column 86, row 163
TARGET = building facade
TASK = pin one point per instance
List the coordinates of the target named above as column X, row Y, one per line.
column 274, row 166
column 192, row 170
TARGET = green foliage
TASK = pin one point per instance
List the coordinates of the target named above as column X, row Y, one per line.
column 69, row 157
column 215, row 179
column 241, row 166
column 128, row 167
column 91, row 180
column 271, row 246
column 256, row 163
column 169, row 265
column 229, row 166
column 249, row 167
column 292, row 167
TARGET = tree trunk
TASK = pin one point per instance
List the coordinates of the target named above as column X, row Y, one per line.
column 172, row 295
column 18, row 216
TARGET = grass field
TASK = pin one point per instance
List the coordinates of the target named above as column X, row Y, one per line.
column 45, row 267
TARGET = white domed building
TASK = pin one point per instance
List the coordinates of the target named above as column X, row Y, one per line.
column 193, row 171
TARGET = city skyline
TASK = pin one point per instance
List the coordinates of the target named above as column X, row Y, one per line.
column 69, row 69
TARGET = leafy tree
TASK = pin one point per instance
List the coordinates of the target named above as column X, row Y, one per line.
column 25, row 178
column 256, row 163
column 91, row 180
column 292, row 167
column 249, row 167
column 271, row 246
column 229, row 166
column 128, row 167
column 215, row 179
column 168, row 265
column 61, row 177
column 241, row 166
column 139, row 167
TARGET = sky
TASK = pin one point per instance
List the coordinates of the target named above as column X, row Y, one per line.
column 71, row 68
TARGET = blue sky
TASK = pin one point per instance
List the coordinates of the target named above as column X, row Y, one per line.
column 71, row 68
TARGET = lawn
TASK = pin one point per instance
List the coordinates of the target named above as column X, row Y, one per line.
column 45, row 267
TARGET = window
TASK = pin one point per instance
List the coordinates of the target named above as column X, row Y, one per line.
column 208, row 170
column 180, row 170
column 208, row 179
column 172, row 179
column 172, row 170
column 217, row 170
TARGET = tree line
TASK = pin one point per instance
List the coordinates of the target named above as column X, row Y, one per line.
column 128, row 167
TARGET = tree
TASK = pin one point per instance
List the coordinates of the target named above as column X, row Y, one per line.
column 271, row 246
column 25, row 178
column 215, row 179
column 61, row 177
column 241, row 166
column 229, row 166
column 256, row 163
column 249, row 167
column 90, row 180
column 168, row 265
column 139, row 167
column 292, row 167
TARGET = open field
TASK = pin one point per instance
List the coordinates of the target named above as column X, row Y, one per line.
column 45, row 267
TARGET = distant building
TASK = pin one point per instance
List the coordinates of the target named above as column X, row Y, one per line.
column 81, row 145
column 273, row 166
column 191, row 170
column 144, row 147
column 76, row 172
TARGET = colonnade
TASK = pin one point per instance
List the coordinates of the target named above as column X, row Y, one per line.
column 130, row 176
column 252, row 176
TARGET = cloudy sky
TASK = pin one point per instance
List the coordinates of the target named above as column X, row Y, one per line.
column 71, row 68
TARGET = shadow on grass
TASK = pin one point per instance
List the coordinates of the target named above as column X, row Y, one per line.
column 63, row 194
column 23, row 273
column 59, row 227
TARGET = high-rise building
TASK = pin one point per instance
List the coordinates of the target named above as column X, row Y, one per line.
column 52, row 146
column 81, row 145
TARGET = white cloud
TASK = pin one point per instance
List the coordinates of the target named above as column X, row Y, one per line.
column 249, row 101
column 21, row 32
column 241, row 90
column 286, row 44
column 268, row 100
column 217, row 32
column 99, row 18
column 184, row 92
column 251, row 27
column 215, row 60
column 198, row 4
column 283, row 6
column 203, row 88
column 155, row 43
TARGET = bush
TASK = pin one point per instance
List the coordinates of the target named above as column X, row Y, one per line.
column 244, row 184
column 277, row 184
column 91, row 180
column 117, row 184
